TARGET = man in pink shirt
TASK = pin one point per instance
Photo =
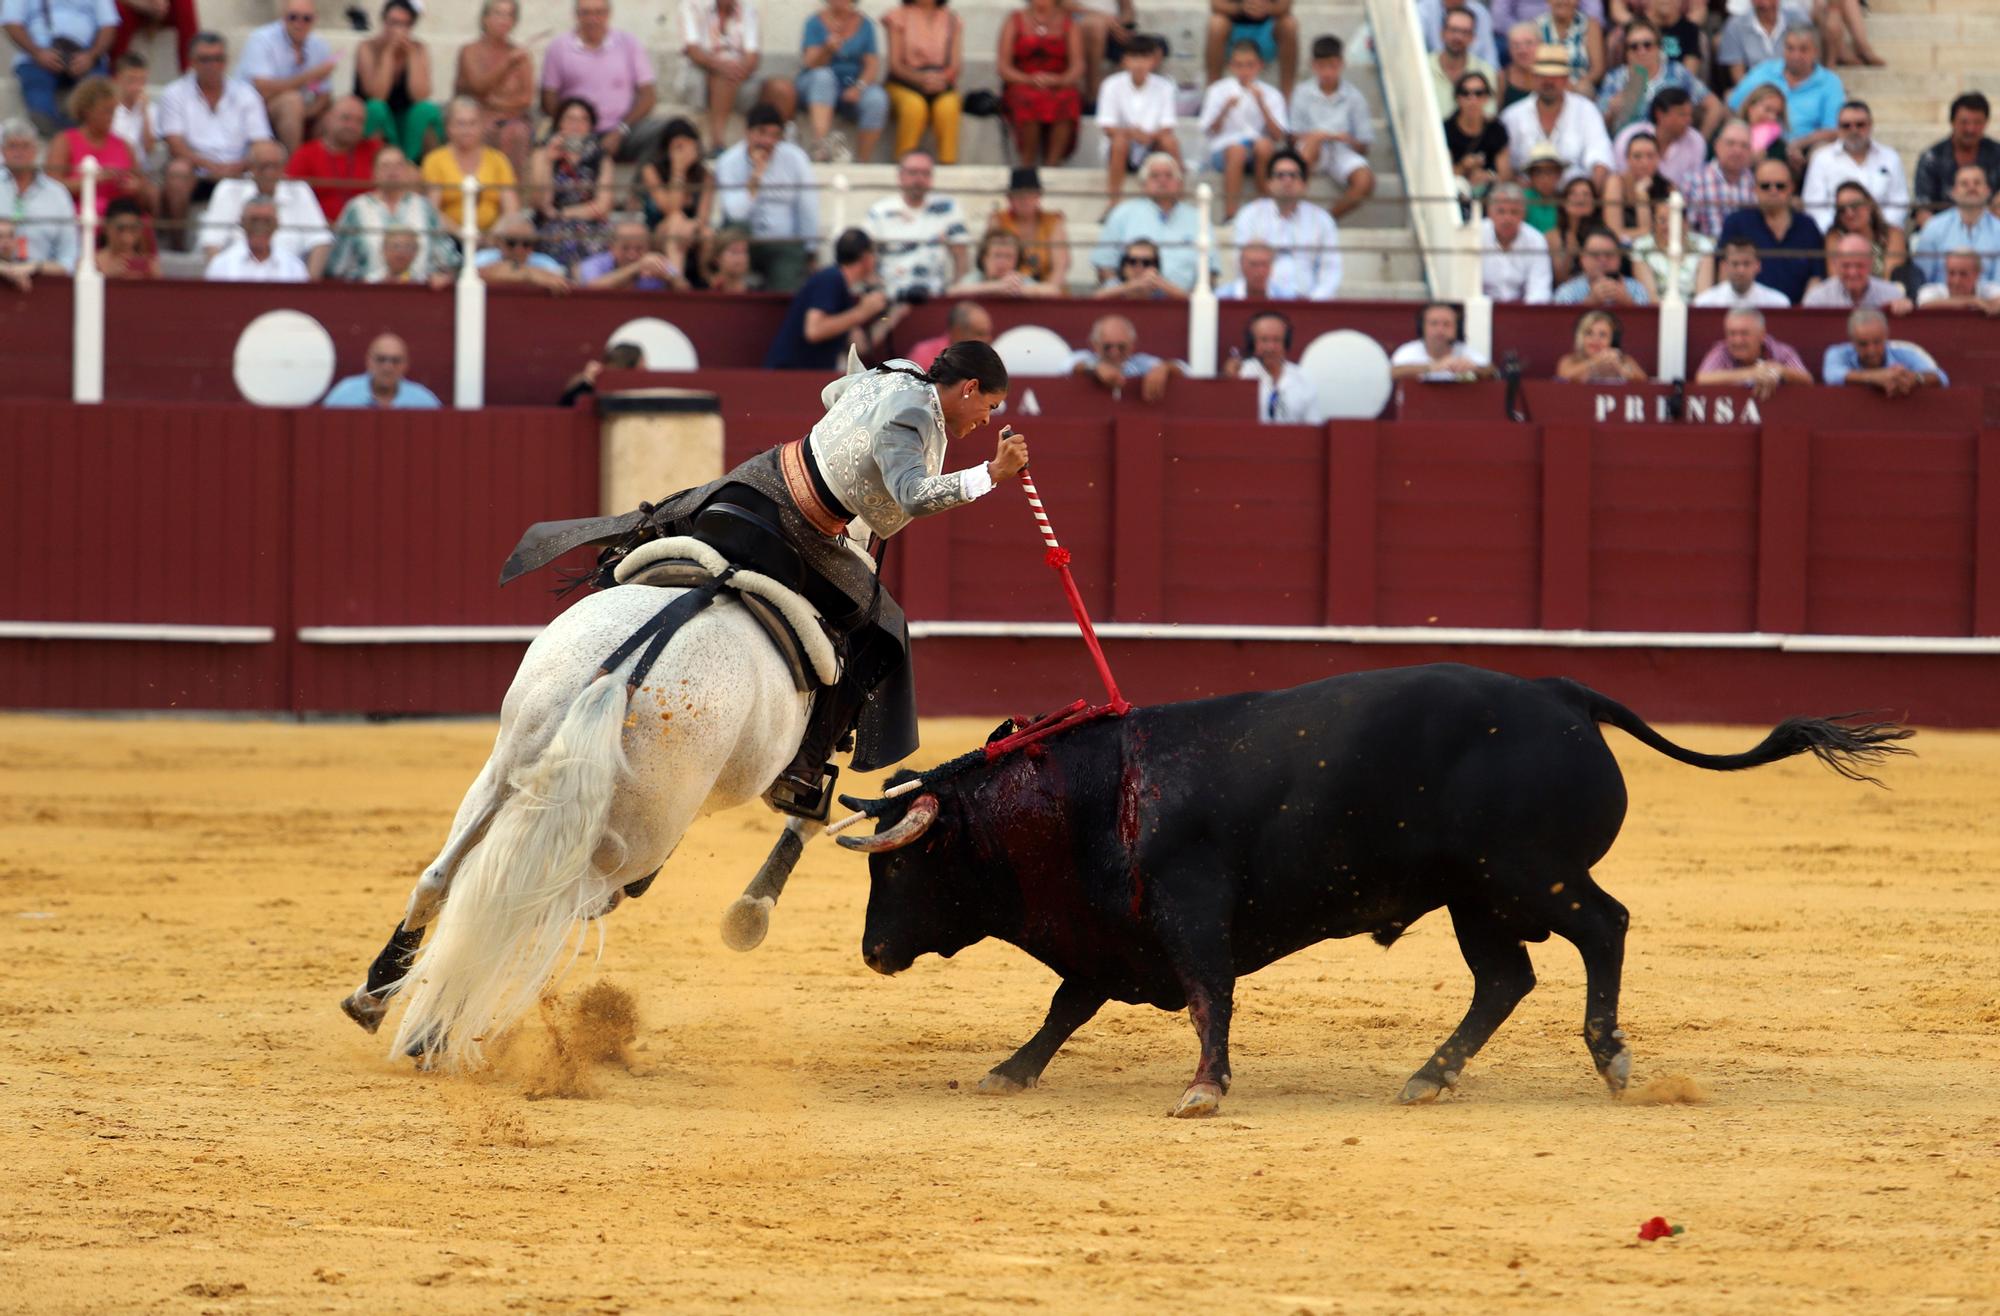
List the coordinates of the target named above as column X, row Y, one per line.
column 612, row 71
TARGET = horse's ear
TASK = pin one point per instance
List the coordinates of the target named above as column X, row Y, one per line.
column 854, row 366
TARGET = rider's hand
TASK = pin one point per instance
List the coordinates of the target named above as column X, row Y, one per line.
column 1010, row 458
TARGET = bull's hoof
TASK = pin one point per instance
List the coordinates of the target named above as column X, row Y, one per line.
column 1422, row 1089
column 1199, row 1101
column 365, row 1009
column 997, row 1084
column 1618, row 1071
column 746, row 921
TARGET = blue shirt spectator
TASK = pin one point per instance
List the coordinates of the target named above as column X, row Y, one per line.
column 268, row 53
column 386, row 378
column 354, row 391
column 765, row 184
column 91, row 24
column 1812, row 105
column 1843, row 357
column 1159, row 217
column 535, row 261
column 1947, row 231
column 827, row 292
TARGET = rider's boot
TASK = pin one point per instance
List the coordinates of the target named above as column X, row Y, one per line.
column 805, row 788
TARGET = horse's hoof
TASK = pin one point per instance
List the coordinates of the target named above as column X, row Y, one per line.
column 365, row 1009
column 1199, row 1101
column 746, row 921
column 1618, row 1071
column 1422, row 1091
column 997, row 1084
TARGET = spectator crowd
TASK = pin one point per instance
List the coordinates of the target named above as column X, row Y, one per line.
column 1621, row 152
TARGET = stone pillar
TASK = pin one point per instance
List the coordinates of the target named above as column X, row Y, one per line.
column 653, row 442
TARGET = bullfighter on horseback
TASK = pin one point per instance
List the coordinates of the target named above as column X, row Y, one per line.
column 873, row 464
column 577, row 809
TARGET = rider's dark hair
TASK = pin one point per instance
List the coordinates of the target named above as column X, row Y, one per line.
column 969, row 359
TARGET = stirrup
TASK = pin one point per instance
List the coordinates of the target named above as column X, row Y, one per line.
column 789, row 794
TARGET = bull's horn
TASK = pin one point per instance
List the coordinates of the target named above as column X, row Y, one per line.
column 914, row 824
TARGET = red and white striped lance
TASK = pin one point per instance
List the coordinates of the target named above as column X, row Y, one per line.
column 1057, row 556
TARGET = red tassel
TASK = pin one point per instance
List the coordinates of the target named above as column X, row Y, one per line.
column 1057, row 557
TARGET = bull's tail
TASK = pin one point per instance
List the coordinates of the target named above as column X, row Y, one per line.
column 1843, row 744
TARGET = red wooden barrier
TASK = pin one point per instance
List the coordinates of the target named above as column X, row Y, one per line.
column 1821, row 520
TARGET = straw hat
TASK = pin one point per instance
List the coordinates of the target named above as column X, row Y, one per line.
column 1551, row 62
column 1545, row 153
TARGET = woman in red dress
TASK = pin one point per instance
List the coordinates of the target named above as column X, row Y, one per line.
column 1041, row 62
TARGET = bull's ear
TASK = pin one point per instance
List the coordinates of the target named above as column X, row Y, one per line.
column 912, row 826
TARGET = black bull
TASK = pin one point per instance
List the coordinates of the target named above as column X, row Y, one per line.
column 1158, row 857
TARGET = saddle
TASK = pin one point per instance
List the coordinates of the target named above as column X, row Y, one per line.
column 794, row 625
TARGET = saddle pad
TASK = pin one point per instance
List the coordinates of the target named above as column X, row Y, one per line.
column 680, row 561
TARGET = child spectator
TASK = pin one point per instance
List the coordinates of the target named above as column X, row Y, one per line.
column 1245, row 122
column 1137, row 111
column 1332, row 128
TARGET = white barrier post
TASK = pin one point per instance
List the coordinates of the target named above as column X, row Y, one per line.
column 468, row 374
column 86, row 382
column 1201, row 303
column 840, row 188
column 1674, row 307
column 1478, row 306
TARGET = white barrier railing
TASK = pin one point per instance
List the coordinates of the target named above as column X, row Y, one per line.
column 86, row 354
column 468, row 333
column 1673, row 306
column 1428, row 180
column 1202, row 310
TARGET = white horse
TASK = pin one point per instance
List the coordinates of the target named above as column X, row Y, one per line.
column 589, row 789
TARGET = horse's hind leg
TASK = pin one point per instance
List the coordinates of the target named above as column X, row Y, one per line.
column 368, row 1003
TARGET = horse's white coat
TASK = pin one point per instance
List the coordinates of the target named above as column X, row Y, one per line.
column 584, row 794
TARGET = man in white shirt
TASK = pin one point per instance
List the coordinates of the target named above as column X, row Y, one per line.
column 1738, row 285
column 1332, row 126
column 209, row 120
column 1136, row 108
column 1439, row 354
column 1513, row 258
column 1305, row 237
column 719, row 48
column 1962, row 289
column 1560, row 117
column 302, row 230
column 1256, row 277
column 291, row 67
column 921, row 240
column 1245, row 121
column 1284, row 395
column 254, row 258
column 1856, row 157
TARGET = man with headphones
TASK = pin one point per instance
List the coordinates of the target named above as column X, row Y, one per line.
column 1284, row 395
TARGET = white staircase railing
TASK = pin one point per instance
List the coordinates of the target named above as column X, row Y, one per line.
column 1446, row 242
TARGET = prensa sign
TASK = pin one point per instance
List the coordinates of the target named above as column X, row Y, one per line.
column 1661, row 409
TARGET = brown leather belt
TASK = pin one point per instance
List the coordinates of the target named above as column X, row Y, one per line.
column 816, row 502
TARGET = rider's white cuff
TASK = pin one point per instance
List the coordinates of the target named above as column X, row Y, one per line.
column 975, row 482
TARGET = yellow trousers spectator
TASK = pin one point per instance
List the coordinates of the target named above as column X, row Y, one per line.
column 916, row 112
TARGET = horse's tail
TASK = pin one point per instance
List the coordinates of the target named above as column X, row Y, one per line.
column 507, row 927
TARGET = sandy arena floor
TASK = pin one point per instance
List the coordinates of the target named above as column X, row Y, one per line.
column 189, row 1124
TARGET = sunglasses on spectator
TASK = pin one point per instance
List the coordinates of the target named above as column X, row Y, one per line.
column 517, row 242
column 1143, row 262
column 1479, row 93
column 300, row 18
column 1854, row 123
column 1640, row 45
column 1779, row 185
